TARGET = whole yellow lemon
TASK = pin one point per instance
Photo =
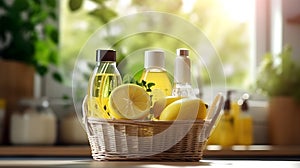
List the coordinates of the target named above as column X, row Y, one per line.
column 184, row 109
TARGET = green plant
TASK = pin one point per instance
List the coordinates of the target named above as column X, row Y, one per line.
column 147, row 86
column 279, row 75
column 29, row 33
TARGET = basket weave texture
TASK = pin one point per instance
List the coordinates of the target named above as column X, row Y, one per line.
column 146, row 140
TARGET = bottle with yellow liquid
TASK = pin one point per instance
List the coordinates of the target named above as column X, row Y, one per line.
column 103, row 80
column 227, row 132
column 155, row 72
column 244, row 124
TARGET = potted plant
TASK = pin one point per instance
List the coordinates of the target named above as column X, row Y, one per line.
column 28, row 46
column 29, row 33
column 279, row 78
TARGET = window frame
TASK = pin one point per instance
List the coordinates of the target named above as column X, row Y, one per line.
column 262, row 37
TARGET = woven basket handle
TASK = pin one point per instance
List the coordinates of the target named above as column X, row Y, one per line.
column 84, row 116
column 214, row 113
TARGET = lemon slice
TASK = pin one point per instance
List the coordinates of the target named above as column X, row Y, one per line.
column 129, row 101
column 162, row 103
column 157, row 94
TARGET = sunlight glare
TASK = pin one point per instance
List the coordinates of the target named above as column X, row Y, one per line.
column 89, row 5
column 238, row 10
column 187, row 5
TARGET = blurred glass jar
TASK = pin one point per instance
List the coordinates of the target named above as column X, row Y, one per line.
column 35, row 124
column 71, row 131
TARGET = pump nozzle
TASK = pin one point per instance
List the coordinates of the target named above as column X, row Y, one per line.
column 245, row 98
column 227, row 105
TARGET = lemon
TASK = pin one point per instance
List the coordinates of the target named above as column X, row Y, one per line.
column 161, row 103
column 157, row 94
column 129, row 101
column 184, row 109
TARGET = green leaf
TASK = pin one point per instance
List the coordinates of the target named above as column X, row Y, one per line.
column 53, row 57
column 41, row 69
column 20, row 5
column 138, row 83
column 75, row 4
column 52, row 32
column 53, row 15
column 42, row 16
column 41, row 52
column 51, row 3
column 104, row 14
column 144, row 83
column 65, row 97
column 149, row 85
column 58, row 77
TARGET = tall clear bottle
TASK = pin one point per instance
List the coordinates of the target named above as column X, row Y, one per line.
column 155, row 72
column 103, row 80
column 182, row 74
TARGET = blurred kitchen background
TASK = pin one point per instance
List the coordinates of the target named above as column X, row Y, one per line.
column 40, row 41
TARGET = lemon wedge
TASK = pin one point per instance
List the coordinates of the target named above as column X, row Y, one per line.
column 184, row 109
column 129, row 101
column 162, row 103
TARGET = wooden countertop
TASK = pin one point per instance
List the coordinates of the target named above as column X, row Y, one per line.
column 74, row 163
column 211, row 151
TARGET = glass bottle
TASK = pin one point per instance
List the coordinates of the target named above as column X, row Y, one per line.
column 103, row 80
column 227, row 134
column 244, row 124
column 182, row 74
column 155, row 72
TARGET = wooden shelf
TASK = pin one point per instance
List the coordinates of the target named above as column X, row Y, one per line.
column 45, row 150
column 211, row 151
column 252, row 151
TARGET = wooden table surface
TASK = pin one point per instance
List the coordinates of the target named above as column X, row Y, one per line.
column 88, row 163
column 211, row 151
column 80, row 157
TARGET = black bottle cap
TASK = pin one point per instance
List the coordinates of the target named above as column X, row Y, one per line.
column 105, row 55
column 227, row 103
column 244, row 105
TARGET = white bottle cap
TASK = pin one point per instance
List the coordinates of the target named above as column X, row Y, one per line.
column 154, row 59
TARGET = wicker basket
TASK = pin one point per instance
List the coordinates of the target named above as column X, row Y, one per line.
column 150, row 140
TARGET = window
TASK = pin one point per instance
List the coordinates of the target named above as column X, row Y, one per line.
column 229, row 26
